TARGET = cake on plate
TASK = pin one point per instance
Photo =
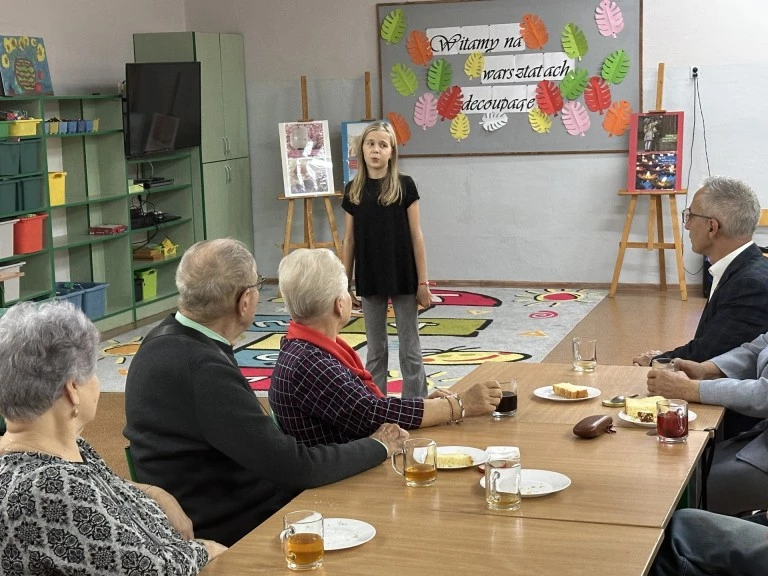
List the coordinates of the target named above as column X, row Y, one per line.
column 642, row 409
column 568, row 390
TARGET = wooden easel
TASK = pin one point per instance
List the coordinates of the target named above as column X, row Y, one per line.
column 655, row 218
column 309, row 227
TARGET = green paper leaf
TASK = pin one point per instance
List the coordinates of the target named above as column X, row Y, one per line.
column 393, row 27
column 404, row 79
column 615, row 67
column 574, row 83
column 439, row 75
column 574, row 41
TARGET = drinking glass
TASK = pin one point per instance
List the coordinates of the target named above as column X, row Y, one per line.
column 663, row 364
column 502, row 478
column 302, row 539
column 672, row 421
column 584, row 354
column 419, row 456
column 508, row 404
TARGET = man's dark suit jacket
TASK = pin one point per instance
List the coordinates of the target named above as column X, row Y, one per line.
column 736, row 313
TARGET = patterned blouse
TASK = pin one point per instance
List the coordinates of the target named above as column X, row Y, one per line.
column 61, row 517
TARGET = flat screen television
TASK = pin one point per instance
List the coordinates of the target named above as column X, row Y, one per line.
column 163, row 107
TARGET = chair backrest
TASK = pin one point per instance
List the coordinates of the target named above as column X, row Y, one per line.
column 129, row 459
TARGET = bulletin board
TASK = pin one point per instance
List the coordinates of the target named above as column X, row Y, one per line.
column 492, row 77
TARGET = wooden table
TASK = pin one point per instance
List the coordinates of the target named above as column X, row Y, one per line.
column 610, row 380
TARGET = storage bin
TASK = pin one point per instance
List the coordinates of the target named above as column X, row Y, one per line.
column 11, row 285
column 68, row 291
column 148, row 282
column 71, row 126
column 63, row 127
column 4, row 128
column 94, row 298
column 31, row 194
column 29, row 155
column 23, row 127
column 81, row 126
column 96, row 124
column 138, row 288
column 57, row 187
column 52, row 127
column 28, row 234
column 8, row 198
column 6, row 238
column 10, row 153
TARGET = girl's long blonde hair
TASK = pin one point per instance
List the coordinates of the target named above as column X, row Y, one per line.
column 390, row 193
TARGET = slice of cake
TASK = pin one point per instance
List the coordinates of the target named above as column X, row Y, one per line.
column 642, row 409
column 454, row 460
column 568, row 390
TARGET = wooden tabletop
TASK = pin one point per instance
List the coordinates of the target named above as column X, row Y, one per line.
column 610, row 380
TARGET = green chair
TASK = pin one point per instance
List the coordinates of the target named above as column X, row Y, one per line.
column 129, row 459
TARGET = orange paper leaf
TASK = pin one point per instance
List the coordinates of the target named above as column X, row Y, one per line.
column 617, row 117
column 534, row 31
column 400, row 127
column 419, row 48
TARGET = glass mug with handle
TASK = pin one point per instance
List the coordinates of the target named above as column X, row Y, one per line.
column 302, row 539
column 419, row 462
column 502, row 478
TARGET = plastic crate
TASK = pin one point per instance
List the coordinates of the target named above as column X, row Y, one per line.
column 8, row 198
column 29, row 156
column 68, row 291
column 23, row 127
column 57, row 187
column 10, row 153
column 149, row 282
column 28, row 234
column 4, row 128
column 94, row 298
column 11, row 286
column 6, row 238
column 31, row 194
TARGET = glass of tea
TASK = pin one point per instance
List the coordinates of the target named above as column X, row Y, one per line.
column 508, row 404
column 672, row 421
column 302, row 539
column 419, row 462
column 663, row 364
column 502, row 478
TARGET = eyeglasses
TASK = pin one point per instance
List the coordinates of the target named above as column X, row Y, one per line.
column 258, row 285
column 687, row 216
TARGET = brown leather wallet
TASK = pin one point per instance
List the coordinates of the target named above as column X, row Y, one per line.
column 593, row 426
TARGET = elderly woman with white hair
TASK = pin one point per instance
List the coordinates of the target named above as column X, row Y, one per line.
column 62, row 510
column 320, row 391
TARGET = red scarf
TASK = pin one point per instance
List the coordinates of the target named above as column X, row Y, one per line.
column 338, row 349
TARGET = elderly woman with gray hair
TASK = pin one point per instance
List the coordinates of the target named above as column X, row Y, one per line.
column 62, row 510
column 320, row 391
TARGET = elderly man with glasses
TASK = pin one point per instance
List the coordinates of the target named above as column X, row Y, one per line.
column 721, row 221
column 196, row 428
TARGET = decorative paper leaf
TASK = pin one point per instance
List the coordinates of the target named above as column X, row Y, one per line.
column 404, row 79
column 493, row 120
column 439, row 75
column 419, row 48
column 597, row 95
column 425, row 111
column 574, row 42
column 400, row 127
column 548, row 97
column 610, row 20
column 615, row 67
column 534, row 31
column 393, row 26
column 576, row 118
column 539, row 121
column 616, row 119
column 474, row 64
column 460, row 127
column 450, row 102
column 574, row 83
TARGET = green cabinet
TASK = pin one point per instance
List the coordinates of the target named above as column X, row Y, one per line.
column 224, row 126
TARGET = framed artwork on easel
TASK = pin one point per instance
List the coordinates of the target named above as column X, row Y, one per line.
column 655, row 151
column 306, row 153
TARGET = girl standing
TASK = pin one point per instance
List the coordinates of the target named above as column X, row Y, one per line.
column 384, row 245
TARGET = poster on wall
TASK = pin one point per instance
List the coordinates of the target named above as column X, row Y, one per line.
column 656, row 151
column 306, row 152
column 24, row 66
column 493, row 77
column 350, row 147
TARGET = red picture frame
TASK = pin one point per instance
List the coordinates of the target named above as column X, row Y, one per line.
column 655, row 152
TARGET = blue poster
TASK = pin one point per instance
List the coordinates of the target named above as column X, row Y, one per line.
column 24, row 66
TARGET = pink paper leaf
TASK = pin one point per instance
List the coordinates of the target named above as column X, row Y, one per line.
column 425, row 111
column 609, row 18
column 575, row 118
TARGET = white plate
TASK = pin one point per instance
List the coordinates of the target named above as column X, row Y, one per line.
column 478, row 456
column 343, row 533
column 623, row 416
column 535, row 483
column 546, row 393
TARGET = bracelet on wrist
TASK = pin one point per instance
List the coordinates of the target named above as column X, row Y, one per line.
column 462, row 411
column 427, row 283
column 448, row 399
